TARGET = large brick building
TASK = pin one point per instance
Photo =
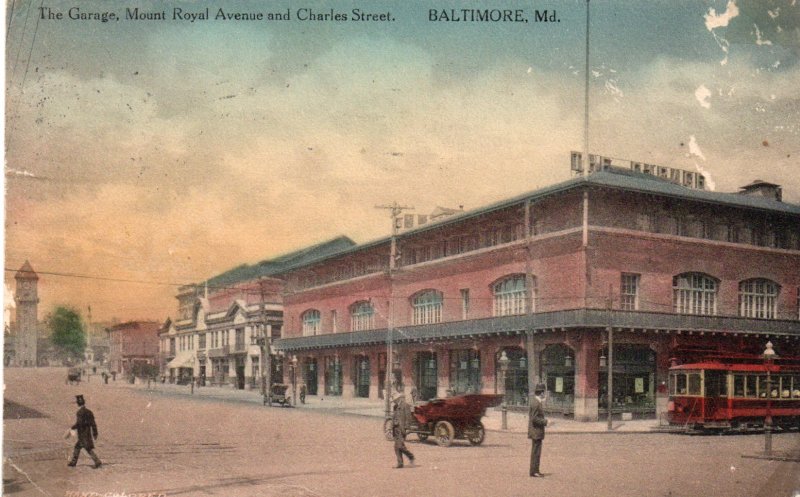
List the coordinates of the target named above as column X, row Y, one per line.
column 132, row 343
column 671, row 271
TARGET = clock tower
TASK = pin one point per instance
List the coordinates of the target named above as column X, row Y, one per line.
column 27, row 300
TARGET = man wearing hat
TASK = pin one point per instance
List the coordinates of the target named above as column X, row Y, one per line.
column 87, row 433
column 401, row 418
column 536, row 424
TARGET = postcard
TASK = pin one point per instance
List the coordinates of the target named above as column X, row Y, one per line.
column 375, row 248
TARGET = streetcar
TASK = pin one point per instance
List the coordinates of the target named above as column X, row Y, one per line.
column 734, row 395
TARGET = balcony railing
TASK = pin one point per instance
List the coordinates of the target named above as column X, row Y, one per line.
column 547, row 321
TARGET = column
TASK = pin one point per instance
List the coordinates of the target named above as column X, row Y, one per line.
column 587, row 370
column 442, row 371
column 347, row 364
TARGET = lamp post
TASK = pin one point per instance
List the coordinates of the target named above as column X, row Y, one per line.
column 294, row 380
column 191, row 361
column 504, row 360
column 769, row 355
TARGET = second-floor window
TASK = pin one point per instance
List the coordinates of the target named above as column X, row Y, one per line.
column 694, row 293
column 239, row 338
column 510, row 296
column 427, row 307
column 629, row 292
column 758, row 298
column 361, row 316
column 201, row 339
column 312, row 322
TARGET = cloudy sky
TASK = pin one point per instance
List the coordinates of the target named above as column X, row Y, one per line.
column 165, row 152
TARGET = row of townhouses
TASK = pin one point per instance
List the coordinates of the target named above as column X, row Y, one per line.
column 530, row 289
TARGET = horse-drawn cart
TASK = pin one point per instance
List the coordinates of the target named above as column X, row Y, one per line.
column 450, row 419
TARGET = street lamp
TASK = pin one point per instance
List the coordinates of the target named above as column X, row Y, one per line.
column 769, row 355
column 294, row 380
column 504, row 360
column 191, row 361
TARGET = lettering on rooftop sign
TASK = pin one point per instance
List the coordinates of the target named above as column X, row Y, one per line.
column 689, row 179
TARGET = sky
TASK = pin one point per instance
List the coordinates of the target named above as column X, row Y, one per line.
column 140, row 155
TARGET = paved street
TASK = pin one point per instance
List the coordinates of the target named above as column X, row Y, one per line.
column 167, row 441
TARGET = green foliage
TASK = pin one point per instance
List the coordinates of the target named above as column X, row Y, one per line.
column 67, row 332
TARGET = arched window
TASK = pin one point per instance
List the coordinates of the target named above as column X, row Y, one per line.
column 694, row 293
column 312, row 322
column 758, row 298
column 427, row 307
column 510, row 296
column 361, row 316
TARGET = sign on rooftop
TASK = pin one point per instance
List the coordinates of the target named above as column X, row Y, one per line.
column 689, row 179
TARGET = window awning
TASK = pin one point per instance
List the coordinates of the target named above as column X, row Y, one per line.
column 184, row 359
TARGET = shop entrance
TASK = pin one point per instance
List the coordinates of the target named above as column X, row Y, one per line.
column 634, row 380
column 425, row 375
column 310, row 376
column 361, row 376
column 516, row 376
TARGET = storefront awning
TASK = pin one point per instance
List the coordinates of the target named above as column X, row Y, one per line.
column 184, row 359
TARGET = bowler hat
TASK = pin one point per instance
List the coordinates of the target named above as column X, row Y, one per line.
column 540, row 387
column 79, row 400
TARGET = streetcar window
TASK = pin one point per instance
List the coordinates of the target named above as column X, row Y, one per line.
column 762, row 386
column 750, row 386
column 679, row 385
column 786, row 387
column 738, row 385
column 716, row 384
column 796, row 387
column 695, row 385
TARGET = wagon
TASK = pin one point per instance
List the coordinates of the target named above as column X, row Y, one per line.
column 450, row 419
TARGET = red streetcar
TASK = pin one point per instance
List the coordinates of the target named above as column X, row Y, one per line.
column 734, row 394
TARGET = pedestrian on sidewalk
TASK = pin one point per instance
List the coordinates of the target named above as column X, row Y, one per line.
column 87, row 433
column 536, row 424
column 401, row 418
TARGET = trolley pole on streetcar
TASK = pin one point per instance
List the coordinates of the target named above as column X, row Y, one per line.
column 769, row 356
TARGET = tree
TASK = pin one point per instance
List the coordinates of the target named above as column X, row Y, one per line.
column 67, row 332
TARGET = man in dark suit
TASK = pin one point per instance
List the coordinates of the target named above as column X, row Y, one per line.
column 401, row 419
column 536, row 424
column 87, row 433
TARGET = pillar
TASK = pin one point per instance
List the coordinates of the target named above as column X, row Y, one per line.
column 587, row 370
column 442, row 371
column 347, row 364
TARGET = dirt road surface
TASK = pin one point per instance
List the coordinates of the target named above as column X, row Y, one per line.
column 179, row 445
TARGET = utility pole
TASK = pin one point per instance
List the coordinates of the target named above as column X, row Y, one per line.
column 585, row 158
column 610, row 388
column 265, row 341
column 395, row 209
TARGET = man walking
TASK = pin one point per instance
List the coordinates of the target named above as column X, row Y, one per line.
column 87, row 433
column 536, row 424
column 401, row 418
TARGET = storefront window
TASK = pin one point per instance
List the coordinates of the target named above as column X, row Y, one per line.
column 465, row 371
column 516, row 377
column 634, row 380
column 558, row 373
column 333, row 376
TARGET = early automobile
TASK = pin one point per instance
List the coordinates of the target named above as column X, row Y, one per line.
column 450, row 419
column 73, row 376
column 278, row 395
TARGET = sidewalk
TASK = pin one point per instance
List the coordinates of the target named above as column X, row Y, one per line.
column 517, row 421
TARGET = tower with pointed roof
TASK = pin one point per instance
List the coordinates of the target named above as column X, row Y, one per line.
column 27, row 300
